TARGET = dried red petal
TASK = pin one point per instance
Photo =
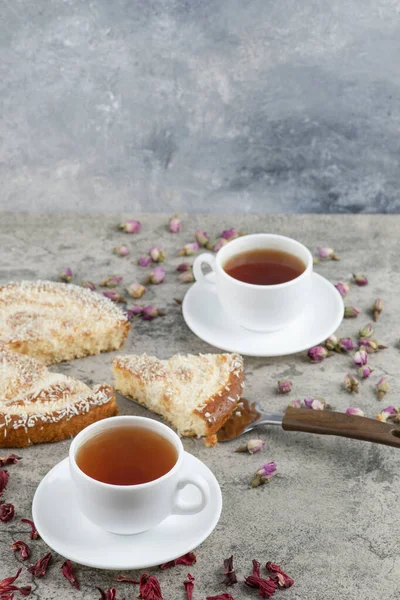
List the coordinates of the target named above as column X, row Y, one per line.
column 6, row 512
column 34, row 533
column 3, row 480
column 229, row 571
column 6, row 596
column 221, row 597
column 109, row 594
column 9, row 580
column 149, row 588
column 126, row 579
column 68, row 573
column 39, row 569
column 282, row 579
column 189, row 586
column 24, row 550
column 186, row 559
column 6, row 586
column 266, row 587
column 11, row 459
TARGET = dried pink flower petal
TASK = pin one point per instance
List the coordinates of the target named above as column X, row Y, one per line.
column 186, row 559
column 149, row 588
column 136, row 290
column 360, row 280
column 331, row 342
column 266, row 587
column 22, row 548
column 361, row 357
column 367, row 331
column 201, row 237
column 11, row 459
column 114, row 296
column 175, row 224
column 186, row 277
column 69, row 574
column 40, row 567
column 189, row 587
column 157, row 254
column 351, row 312
column 224, row 596
column 7, row 512
column 189, row 249
column 6, row 586
column 345, row 345
column 376, row 309
column 355, row 411
column 111, row 282
column 34, row 533
column 131, row 226
column 343, row 288
column 284, row 386
column 3, row 480
column 317, row 353
column 121, row 250
column 351, row 383
column 66, row 275
column 382, row 387
column 251, row 447
column 88, row 285
column 364, row 372
column 109, row 594
column 264, row 474
column 144, row 261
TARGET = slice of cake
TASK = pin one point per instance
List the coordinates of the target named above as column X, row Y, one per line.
column 39, row 406
column 196, row 394
column 57, row 321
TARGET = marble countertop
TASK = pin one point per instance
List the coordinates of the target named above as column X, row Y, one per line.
column 330, row 517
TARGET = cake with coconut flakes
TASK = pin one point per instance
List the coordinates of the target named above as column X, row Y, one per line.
column 54, row 321
column 195, row 393
column 37, row 405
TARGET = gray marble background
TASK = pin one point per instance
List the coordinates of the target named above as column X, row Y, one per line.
column 211, row 105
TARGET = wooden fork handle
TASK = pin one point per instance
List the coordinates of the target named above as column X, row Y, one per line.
column 326, row 422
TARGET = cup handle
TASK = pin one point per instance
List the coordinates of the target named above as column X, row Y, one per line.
column 181, row 507
column 207, row 258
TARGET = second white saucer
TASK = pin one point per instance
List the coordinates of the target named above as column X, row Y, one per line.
column 64, row 528
column 205, row 317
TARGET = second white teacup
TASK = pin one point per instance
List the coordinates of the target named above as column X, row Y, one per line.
column 256, row 307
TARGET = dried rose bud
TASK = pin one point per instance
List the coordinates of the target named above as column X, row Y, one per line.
column 361, row 357
column 133, row 311
column 151, row 312
column 186, row 559
column 186, row 277
column 351, row 383
column 175, row 224
column 284, row 386
column 144, row 261
column 157, row 275
column 382, row 387
column 22, row 548
column 66, row 275
column 364, row 372
column 230, row 234
column 251, row 447
column 295, row 404
column 219, row 243
column 355, row 411
column 376, row 309
column 184, row 267
column 136, row 290
column 111, row 282
column 371, row 345
column 121, row 250
column 88, row 285
column 351, row 312
column 189, row 249
column 343, row 288
column 317, row 353
column 131, row 226
column 7, row 512
column 114, row 296
column 264, row 474
column 367, row 331
column 201, row 237
column 327, row 254
column 331, row 342
column 387, row 413
column 345, row 345
column 69, row 574
column 157, row 254
column 315, row 403
column 360, row 280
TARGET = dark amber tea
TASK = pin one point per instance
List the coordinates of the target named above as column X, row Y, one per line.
column 126, row 456
column 264, row 266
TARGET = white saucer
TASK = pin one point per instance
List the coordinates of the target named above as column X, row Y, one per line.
column 204, row 316
column 62, row 526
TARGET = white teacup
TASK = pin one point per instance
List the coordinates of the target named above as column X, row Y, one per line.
column 260, row 308
column 128, row 509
